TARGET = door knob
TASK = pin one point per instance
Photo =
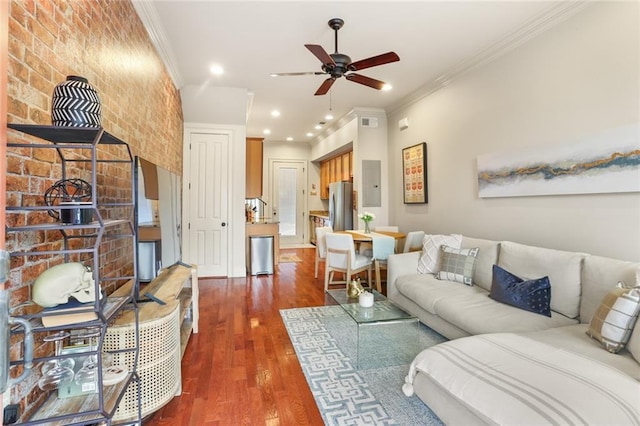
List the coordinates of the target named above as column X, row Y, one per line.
column 224, row 224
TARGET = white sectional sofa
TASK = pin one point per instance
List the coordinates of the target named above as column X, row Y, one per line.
column 505, row 365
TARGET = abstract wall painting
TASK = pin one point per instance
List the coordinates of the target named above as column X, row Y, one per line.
column 606, row 163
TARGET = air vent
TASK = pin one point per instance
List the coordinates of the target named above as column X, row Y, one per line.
column 369, row 122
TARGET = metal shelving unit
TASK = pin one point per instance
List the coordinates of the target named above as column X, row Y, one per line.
column 79, row 147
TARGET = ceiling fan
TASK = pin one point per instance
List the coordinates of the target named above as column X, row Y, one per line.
column 337, row 64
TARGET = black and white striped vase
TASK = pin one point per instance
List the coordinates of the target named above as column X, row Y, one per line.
column 75, row 103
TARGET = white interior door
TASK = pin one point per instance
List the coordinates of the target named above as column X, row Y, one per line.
column 208, row 203
column 288, row 199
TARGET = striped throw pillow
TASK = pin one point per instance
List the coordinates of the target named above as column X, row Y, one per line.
column 614, row 319
column 457, row 264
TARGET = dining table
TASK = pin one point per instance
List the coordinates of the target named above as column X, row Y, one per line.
column 359, row 237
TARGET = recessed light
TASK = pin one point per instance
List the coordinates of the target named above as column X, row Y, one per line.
column 328, row 117
column 216, row 69
column 309, row 134
column 289, row 138
column 275, row 113
column 317, row 127
column 387, row 87
column 266, row 131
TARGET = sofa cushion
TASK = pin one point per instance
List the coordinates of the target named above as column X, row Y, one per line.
column 430, row 259
column 574, row 338
column 563, row 269
column 457, row 264
column 599, row 276
column 531, row 295
column 487, row 257
column 633, row 345
column 476, row 313
column 426, row 290
column 614, row 319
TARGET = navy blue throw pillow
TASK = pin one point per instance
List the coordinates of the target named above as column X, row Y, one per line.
column 533, row 295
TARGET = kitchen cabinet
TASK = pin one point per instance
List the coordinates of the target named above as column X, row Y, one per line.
column 324, row 180
column 335, row 169
column 113, row 219
column 254, row 168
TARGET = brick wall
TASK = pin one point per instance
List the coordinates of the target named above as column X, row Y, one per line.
column 105, row 42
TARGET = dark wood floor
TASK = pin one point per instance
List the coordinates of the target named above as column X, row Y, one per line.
column 241, row 369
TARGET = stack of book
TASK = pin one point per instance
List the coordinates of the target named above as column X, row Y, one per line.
column 72, row 312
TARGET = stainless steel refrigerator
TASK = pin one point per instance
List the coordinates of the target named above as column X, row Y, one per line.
column 341, row 205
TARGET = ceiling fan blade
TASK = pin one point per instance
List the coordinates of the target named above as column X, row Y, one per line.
column 283, row 74
column 374, row 61
column 320, row 53
column 367, row 81
column 325, row 86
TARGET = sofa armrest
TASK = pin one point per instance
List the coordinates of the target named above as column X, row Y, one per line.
column 400, row 264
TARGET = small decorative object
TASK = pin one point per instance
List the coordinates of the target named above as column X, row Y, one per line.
column 414, row 174
column 365, row 299
column 55, row 285
column 354, row 289
column 366, row 218
column 70, row 192
column 75, row 103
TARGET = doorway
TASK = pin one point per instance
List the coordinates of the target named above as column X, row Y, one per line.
column 206, row 202
column 288, row 198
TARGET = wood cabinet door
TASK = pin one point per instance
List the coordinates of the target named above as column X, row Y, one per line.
column 254, row 168
column 339, row 176
column 324, row 180
column 346, row 166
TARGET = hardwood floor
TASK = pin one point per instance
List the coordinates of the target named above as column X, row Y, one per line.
column 241, row 369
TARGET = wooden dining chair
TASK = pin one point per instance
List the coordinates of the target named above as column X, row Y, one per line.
column 342, row 257
column 321, row 245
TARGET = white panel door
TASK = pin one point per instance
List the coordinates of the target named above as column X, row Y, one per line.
column 208, row 202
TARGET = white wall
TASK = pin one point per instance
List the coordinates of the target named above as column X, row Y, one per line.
column 574, row 81
column 226, row 105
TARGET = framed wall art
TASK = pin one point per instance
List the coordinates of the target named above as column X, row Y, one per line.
column 414, row 174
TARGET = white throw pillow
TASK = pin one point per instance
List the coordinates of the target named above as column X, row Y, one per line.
column 430, row 260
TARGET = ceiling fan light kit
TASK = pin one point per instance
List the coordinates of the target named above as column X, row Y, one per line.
column 338, row 64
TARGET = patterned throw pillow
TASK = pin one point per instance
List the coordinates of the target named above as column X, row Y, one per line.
column 430, row 259
column 457, row 264
column 532, row 295
column 614, row 319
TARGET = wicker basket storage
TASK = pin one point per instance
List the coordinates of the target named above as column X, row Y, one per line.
column 158, row 363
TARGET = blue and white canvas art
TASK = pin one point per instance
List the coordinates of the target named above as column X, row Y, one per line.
column 608, row 162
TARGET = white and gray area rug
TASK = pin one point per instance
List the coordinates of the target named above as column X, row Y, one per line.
column 325, row 339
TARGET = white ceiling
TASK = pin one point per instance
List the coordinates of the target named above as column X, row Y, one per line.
column 434, row 39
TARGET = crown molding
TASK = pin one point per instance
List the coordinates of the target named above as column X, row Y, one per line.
column 530, row 29
column 149, row 16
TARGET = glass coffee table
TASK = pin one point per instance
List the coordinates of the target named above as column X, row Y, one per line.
column 386, row 335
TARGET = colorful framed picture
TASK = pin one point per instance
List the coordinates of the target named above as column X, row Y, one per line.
column 414, row 174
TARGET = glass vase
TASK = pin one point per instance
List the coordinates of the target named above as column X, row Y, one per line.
column 367, row 230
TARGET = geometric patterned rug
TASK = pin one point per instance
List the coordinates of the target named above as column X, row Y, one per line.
column 323, row 338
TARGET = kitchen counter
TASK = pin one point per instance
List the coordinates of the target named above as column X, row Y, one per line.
column 319, row 213
column 317, row 218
